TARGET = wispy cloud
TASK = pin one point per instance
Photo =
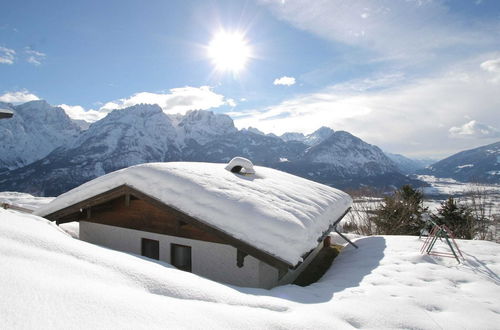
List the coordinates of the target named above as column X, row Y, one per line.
column 412, row 29
column 18, row 97
column 285, row 80
column 7, row 55
column 493, row 67
column 475, row 129
column 34, row 57
column 231, row 102
column 177, row 100
column 401, row 115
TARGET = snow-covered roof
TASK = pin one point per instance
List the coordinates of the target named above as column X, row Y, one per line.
column 276, row 212
column 6, row 113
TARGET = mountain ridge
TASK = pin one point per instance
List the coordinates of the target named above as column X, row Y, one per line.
column 143, row 133
column 481, row 164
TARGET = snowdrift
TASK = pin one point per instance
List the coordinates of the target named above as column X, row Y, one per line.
column 50, row 280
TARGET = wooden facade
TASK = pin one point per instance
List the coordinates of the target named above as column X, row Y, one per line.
column 129, row 208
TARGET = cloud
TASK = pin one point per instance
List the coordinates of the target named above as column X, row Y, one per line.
column 394, row 29
column 79, row 113
column 474, row 129
column 34, row 57
column 7, row 55
column 286, row 81
column 177, row 100
column 231, row 102
column 491, row 65
column 402, row 115
column 18, row 97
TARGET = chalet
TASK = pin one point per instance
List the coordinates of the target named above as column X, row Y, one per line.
column 235, row 223
column 5, row 113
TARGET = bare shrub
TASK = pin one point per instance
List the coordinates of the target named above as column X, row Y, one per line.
column 359, row 219
column 480, row 201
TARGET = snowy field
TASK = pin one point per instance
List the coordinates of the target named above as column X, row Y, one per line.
column 442, row 188
column 23, row 200
column 50, row 280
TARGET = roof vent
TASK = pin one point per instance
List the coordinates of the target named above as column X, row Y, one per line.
column 240, row 165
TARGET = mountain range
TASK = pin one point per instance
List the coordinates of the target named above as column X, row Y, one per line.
column 475, row 165
column 44, row 152
column 48, row 153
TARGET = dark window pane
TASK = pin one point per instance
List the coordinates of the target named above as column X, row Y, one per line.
column 181, row 256
column 150, row 248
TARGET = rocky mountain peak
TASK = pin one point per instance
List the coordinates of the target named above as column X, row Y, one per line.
column 36, row 129
column 202, row 125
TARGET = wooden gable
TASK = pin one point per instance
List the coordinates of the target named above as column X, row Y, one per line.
column 129, row 208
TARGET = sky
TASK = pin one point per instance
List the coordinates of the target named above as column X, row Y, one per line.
column 416, row 77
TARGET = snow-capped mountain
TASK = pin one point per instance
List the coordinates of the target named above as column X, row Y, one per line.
column 143, row 133
column 350, row 155
column 35, row 130
column 346, row 161
column 312, row 139
column 480, row 164
column 139, row 134
column 203, row 126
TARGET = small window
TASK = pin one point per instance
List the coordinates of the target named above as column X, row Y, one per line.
column 180, row 256
column 150, row 248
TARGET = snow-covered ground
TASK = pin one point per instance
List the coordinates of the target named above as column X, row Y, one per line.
column 23, row 200
column 50, row 280
column 442, row 188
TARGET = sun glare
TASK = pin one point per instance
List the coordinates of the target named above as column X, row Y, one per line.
column 229, row 51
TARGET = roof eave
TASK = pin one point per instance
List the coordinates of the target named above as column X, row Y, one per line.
column 126, row 189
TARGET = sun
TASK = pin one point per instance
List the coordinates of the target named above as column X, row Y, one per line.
column 229, row 51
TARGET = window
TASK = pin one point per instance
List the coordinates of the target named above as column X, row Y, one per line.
column 150, row 248
column 180, row 256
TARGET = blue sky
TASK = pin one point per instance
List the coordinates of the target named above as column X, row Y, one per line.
column 414, row 77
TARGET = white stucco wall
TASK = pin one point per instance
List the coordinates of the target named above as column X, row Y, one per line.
column 211, row 260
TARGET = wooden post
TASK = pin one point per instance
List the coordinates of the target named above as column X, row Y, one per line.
column 328, row 241
column 127, row 200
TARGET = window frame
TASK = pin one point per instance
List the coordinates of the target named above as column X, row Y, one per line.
column 155, row 244
column 173, row 246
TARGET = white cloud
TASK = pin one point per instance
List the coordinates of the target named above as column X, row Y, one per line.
column 178, row 100
column 491, row 65
column 409, row 117
column 286, row 81
column 7, row 55
column 18, row 97
column 231, row 102
column 78, row 112
column 474, row 129
column 35, row 57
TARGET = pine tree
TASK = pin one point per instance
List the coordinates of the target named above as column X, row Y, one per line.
column 401, row 213
column 457, row 217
